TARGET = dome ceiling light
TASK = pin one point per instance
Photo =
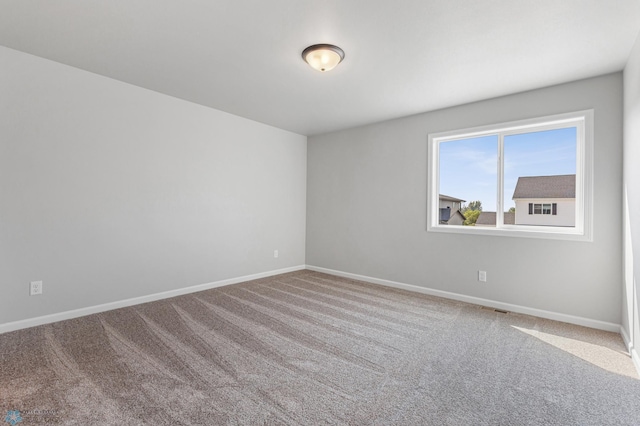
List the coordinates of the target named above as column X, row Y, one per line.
column 323, row 57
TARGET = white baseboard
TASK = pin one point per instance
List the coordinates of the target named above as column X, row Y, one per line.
column 47, row 319
column 625, row 338
column 586, row 322
column 632, row 350
column 636, row 358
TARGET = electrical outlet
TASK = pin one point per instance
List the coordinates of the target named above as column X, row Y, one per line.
column 35, row 288
column 482, row 276
column 275, row 253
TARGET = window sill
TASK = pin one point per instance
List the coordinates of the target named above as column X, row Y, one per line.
column 520, row 231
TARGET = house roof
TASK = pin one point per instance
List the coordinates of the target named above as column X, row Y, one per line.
column 457, row 213
column 449, row 198
column 489, row 218
column 446, row 214
column 559, row 186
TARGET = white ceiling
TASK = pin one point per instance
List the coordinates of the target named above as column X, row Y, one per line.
column 402, row 57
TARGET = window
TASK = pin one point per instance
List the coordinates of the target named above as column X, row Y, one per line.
column 536, row 173
column 543, row 208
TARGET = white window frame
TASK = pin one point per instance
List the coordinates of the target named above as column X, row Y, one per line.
column 583, row 230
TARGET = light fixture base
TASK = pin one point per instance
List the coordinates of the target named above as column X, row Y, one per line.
column 323, row 57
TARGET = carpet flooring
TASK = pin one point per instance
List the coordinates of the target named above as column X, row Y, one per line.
column 306, row 348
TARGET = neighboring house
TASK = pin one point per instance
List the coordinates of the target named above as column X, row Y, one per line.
column 545, row 200
column 489, row 219
column 451, row 217
column 450, row 210
column 450, row 202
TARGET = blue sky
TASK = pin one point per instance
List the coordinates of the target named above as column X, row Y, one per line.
column 469, row 167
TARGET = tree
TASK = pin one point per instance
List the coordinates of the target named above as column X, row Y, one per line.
column 512, row 210
column 471, row 217
column 473, row 206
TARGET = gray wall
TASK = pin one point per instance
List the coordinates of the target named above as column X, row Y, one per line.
column 366, row 209
column 109, row 191
column 631, row 193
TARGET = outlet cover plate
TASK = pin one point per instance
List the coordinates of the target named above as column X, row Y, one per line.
column 35, row 288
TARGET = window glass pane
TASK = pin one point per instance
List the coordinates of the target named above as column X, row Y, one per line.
column 468, row 173
column 540, row 168
column 535, row 162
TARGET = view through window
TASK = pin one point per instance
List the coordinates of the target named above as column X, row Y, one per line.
column 531, row 172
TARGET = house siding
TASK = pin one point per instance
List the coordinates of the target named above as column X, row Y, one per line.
column 566, row 212
column 453, row 205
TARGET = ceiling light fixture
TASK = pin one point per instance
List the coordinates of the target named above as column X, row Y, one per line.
column 323, row 57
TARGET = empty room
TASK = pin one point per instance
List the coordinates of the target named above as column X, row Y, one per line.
column 307, row 212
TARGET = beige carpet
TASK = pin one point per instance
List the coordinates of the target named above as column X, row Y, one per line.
column 306, row 348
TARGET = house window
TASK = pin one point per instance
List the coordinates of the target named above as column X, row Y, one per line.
column 543, row 208
column 537, row 173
